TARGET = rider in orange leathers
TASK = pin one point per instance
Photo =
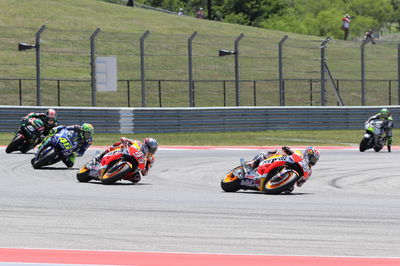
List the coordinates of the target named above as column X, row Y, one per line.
column 148, row 147
column 307, row 159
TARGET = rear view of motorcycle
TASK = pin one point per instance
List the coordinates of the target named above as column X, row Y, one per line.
column 374, row 136
column 27, row 136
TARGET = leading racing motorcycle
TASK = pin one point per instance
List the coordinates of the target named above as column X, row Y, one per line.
column 59, row 146
column 27, row 136
column 374, row 136
column 121, row 163
column 285, row 171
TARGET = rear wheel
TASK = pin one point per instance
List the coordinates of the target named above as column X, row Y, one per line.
column 282, row 179
column 115, row 173
column 379, row 147
column 364, row 144
column 46, row 159
column 83, row 175
column 15, row 144
column 231, row 183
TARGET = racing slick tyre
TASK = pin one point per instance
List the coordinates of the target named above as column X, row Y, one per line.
column 281, row 179
column 231, row 183
column 364, row 144
column 83, row 175
column 115, row 173
column 378, row 148
column 15, row 144
column 45, row 159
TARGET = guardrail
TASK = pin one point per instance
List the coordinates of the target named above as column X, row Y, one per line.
column 202, row 119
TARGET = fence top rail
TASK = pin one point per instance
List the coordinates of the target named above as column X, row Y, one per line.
column 193, row 108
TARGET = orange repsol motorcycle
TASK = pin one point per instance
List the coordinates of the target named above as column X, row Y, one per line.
column 121, row 163
column 283, row 171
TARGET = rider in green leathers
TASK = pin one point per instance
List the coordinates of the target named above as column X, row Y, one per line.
column 385, row 115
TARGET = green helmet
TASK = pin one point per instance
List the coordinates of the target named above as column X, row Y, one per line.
column 87, row 131
column 384, row 113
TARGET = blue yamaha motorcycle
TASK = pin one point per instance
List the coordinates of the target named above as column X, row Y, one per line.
column 55, row 148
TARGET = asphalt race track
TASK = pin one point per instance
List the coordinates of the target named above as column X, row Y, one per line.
column 349, row 207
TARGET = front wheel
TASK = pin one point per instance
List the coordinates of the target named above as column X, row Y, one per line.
column 83, row 175
column 280, row 180
column 231, row 183
column 115, row 173
column 15, row 144
column 364, row 144
column 45, row 159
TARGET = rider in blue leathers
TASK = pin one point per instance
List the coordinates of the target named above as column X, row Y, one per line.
column 81, row 137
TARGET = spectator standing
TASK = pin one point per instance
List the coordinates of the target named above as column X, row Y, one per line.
column 130, row 3
column 368, row 37
column 180, row 13
column 346, row 26
column 200, row 13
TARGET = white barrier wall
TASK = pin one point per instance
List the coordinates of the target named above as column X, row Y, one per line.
column 207, row 119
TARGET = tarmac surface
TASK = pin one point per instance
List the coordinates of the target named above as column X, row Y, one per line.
column 349, row 207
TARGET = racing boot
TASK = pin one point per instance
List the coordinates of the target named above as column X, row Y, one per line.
column 389, row 143
column 70, row 160
column 98, row 157
column 134, row 178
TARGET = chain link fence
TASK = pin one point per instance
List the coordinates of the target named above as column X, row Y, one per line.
column 184, row 70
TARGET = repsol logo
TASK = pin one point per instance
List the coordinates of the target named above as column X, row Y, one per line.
column 271, row 160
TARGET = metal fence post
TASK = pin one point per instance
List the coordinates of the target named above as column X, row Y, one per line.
column 362, row 59
column 398, row 74
column 190, row 64
column 237, row 69
column 281, row 86
column 93, row 65
column 37, row 48
column 323, row 70
column 142, row 69
column 20, row 91
column 128, row 88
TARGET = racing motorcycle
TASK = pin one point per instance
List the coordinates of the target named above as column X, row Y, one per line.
column 285, row 171
column 60, row 145
column 121, row 163
column 374, row 136
column 27, row 137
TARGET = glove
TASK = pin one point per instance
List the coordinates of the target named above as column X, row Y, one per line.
column 287, row 150
column 272, row 152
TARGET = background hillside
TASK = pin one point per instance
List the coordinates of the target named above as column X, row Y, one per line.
column 65, row 63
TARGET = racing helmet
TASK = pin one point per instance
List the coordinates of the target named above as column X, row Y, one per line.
column 384, row 113
column 312, row 155
column 51, row 116
column 151, row 145
column 87, row 131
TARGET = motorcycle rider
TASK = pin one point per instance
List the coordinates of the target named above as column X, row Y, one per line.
column 310, row 157
column 385, row 116
column 81, row 137
column 47, row 121
column 148, row 147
